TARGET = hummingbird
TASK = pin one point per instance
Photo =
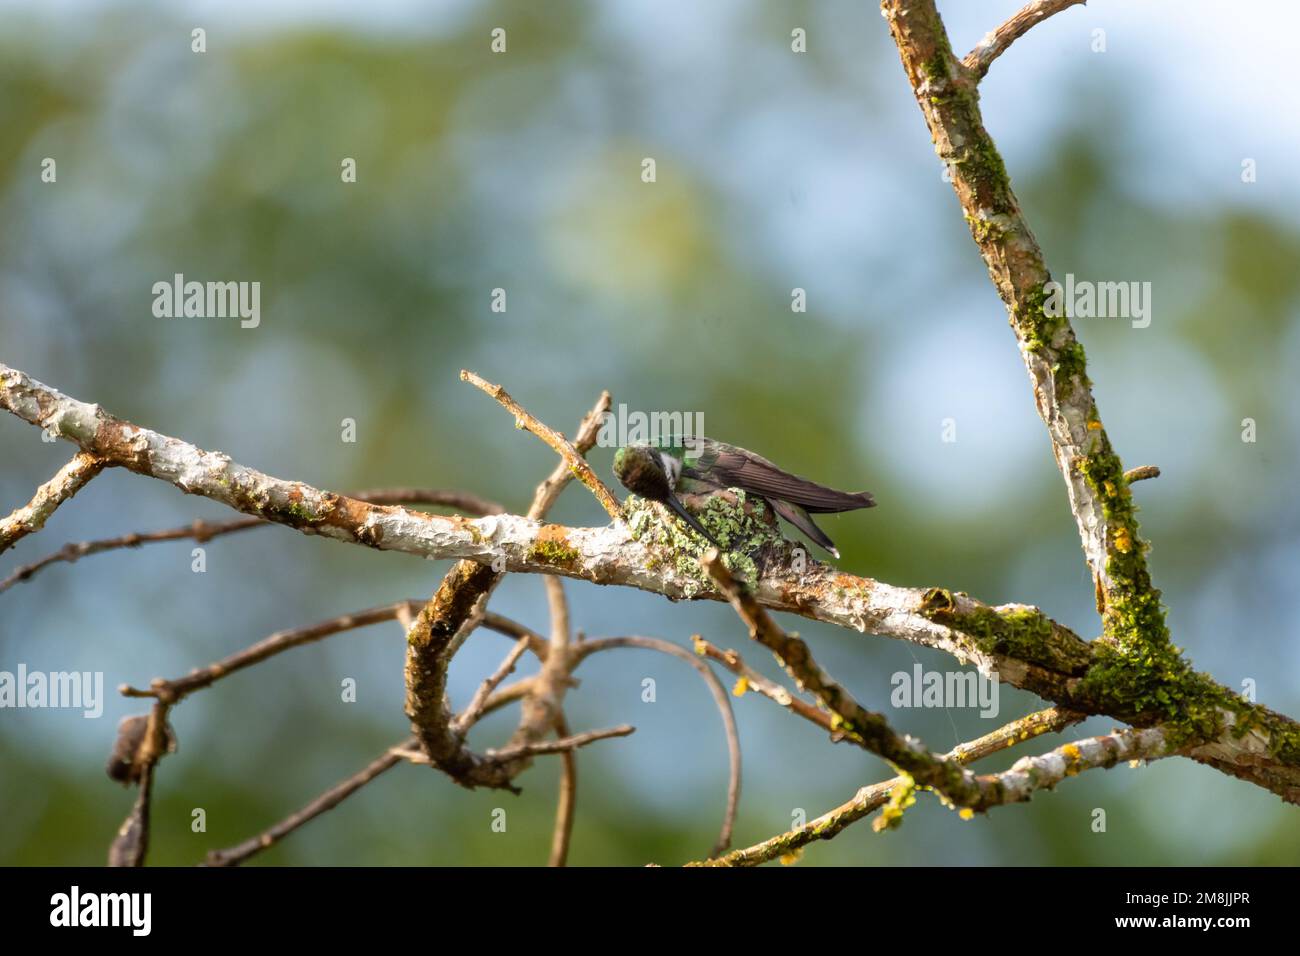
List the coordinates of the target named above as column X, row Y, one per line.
column 701, row 465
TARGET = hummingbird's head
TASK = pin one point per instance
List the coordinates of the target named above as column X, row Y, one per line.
column 641, row 470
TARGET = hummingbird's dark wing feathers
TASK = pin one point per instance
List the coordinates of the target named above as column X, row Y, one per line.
column 732, row 467
column 801, row 520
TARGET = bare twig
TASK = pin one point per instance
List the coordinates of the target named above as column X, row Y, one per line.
column 576, row 463
column 753, row 680
column 507, row 755
column 172, row 691
column 560, row 745
column 871, row 798
column 200, row 531
column 204, row 531
column 341, row 791
column 582, row 651
column 1141, row 473
column 474, row 710
column 67, row 481
column 326, row 801
column 457, row 607
column 995, row 43
column 504, row 625
column 565, row 807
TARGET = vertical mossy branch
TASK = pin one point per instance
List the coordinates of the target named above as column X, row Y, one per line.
column 946, row 90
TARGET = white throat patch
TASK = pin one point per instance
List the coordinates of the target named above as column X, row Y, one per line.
column 672, row 468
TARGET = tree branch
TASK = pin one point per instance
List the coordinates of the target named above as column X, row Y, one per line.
column 995, row 43
column 1015, row 642
column 1136, row 660
column 203, row 531
column 514, row 752
column 456, row 609
column 871, row 798
column 174, row 690
column 577, row 464
column 328, row 800
column 751, row 679
column 719, row 693
column 565, row 807
column 67, row 481
column 341, row 791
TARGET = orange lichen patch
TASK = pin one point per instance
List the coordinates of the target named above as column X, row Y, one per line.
column 552, row 547
column 848, row 582
column 1073, row 757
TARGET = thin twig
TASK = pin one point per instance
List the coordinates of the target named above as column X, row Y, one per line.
column 326, row 801
column 204, row 531
column 336, row 794
column 474, row 710
column 558, row 442
column 584, row 650
column 67, row 481
column 996, row 43
column 873, row 797
column 537, row 748
column 174, row 690
column 565, row 806
column 753, row 680
column 454, row 611
column 504, row 625
column 560, row 745
column 1141, row 473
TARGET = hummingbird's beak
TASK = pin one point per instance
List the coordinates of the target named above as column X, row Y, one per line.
column 680, row 509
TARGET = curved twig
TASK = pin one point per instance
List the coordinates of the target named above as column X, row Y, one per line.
column 580, row 652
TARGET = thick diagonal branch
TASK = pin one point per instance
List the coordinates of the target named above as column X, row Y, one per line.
column 1099, row 496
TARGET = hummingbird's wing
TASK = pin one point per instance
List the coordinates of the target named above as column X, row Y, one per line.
column 729, row 466
column 804, row 522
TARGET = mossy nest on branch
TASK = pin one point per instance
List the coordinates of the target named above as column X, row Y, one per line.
column 744, row 524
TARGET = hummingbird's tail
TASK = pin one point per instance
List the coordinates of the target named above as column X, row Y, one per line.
column 803, row 521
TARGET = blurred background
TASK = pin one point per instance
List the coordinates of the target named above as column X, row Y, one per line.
column 522, row 171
